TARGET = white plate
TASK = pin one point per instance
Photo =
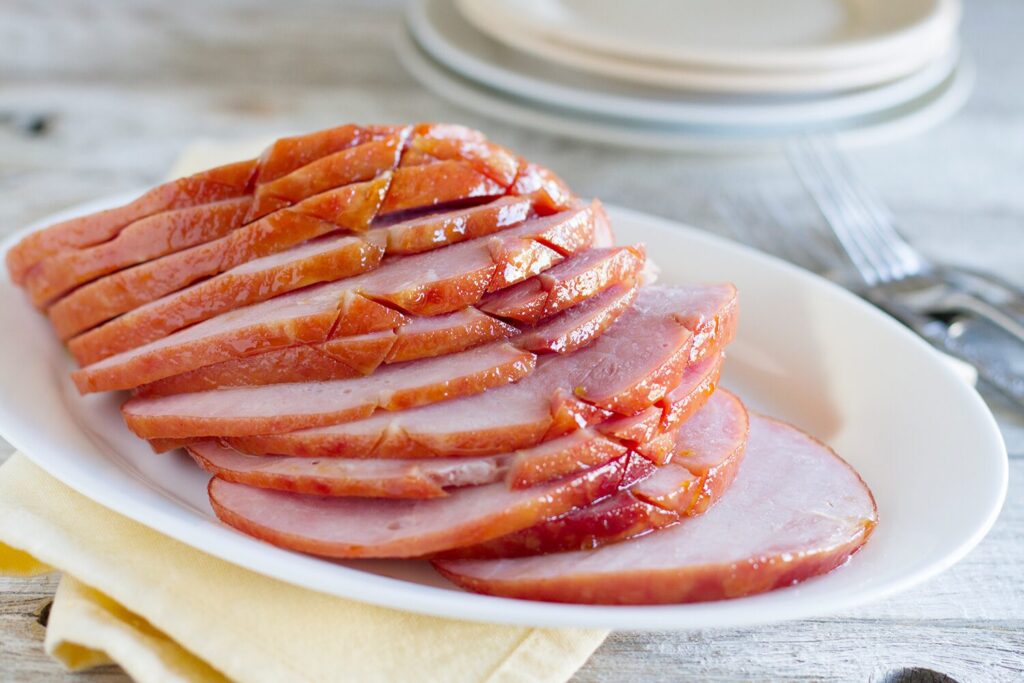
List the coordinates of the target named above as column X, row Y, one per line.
column 807, row 351
column 742, row 34
column 695, row 77
column 884, row 126
column 443, row 33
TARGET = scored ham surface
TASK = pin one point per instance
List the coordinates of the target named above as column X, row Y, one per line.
column 324, row 259
column 795, row 510
column 635, row 364
column 374, row 527
column 271, row 409
column 430, row 283
column 706, row 454
column 417, row 338
column 217, row 184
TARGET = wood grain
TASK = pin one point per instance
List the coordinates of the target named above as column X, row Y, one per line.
column 99, row 98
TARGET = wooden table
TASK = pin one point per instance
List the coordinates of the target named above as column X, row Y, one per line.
column 98, row 98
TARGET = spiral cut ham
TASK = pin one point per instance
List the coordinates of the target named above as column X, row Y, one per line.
column 739, row 547
column 408, row 342
column 635, row 364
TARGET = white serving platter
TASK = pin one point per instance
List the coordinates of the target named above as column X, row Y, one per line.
column 807, row 351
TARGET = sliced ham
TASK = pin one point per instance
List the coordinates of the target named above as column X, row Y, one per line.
column 445, row 141
column 440, row 229
column 342, row 358
column 521, row 415
column 427, row 337
column 430, row 283
column 145, row 239
column 308, row 316
column 579, row 325
column 796, row 510
column 579, row 278
column 217, row 184
column 342, row 477
column 271, row 409
column 533, row 179
column 437, row 184
column 705, row 456
column 348, row 208
column 327, row 258
column 369, row 527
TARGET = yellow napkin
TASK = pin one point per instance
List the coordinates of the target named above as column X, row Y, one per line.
column 167, row 612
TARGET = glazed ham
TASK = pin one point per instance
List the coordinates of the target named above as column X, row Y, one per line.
column 416, row 338
column 375, row 527
column 738, row 547
column 407, row 342
column 705, row 456
column 564, row 393
column 345, row 477
column 270, row 409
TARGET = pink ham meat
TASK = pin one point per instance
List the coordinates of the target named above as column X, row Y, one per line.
column 633, row 365
column 739, row 547
column 374, row 527
column 271, row 409
column 420, row 337
column 341, row 477
column 324, row 259
column 706, row 454
column 577, row 279
column 430, row 283
column 342, row 358
column 218, row 184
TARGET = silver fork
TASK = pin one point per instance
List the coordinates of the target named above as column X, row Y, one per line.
column 763, row 222
column 945, row 304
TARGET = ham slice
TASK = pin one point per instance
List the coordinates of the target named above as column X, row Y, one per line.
column 324, row 259
column 577, row 279
column 533, row 179
column 342, row 358
column 217, row 184
column 373, row 527
column 347, row 208
column 445, row 141
column 145, row 239
column 440, row 229
column 821, row 513
column 634, row 364
column 327, row 258
column 308, row 316
column 342, row 477
column 581, row 324
column 418, row 338
column 705, row 456
column 430, row 283
column 271, row 409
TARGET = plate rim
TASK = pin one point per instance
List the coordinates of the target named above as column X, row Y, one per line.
column 488, row 73
column 695, row 78
column 943, row 15
column 886, row 126
column 250, row 554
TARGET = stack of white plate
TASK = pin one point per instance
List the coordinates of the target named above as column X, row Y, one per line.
column 695, row 74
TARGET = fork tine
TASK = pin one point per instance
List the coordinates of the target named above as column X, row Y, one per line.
column 814, row 176
column 903, row 259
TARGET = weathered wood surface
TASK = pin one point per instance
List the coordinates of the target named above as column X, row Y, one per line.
column 99, row 97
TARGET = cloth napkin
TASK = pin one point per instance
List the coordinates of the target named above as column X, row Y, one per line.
column 167, row 612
